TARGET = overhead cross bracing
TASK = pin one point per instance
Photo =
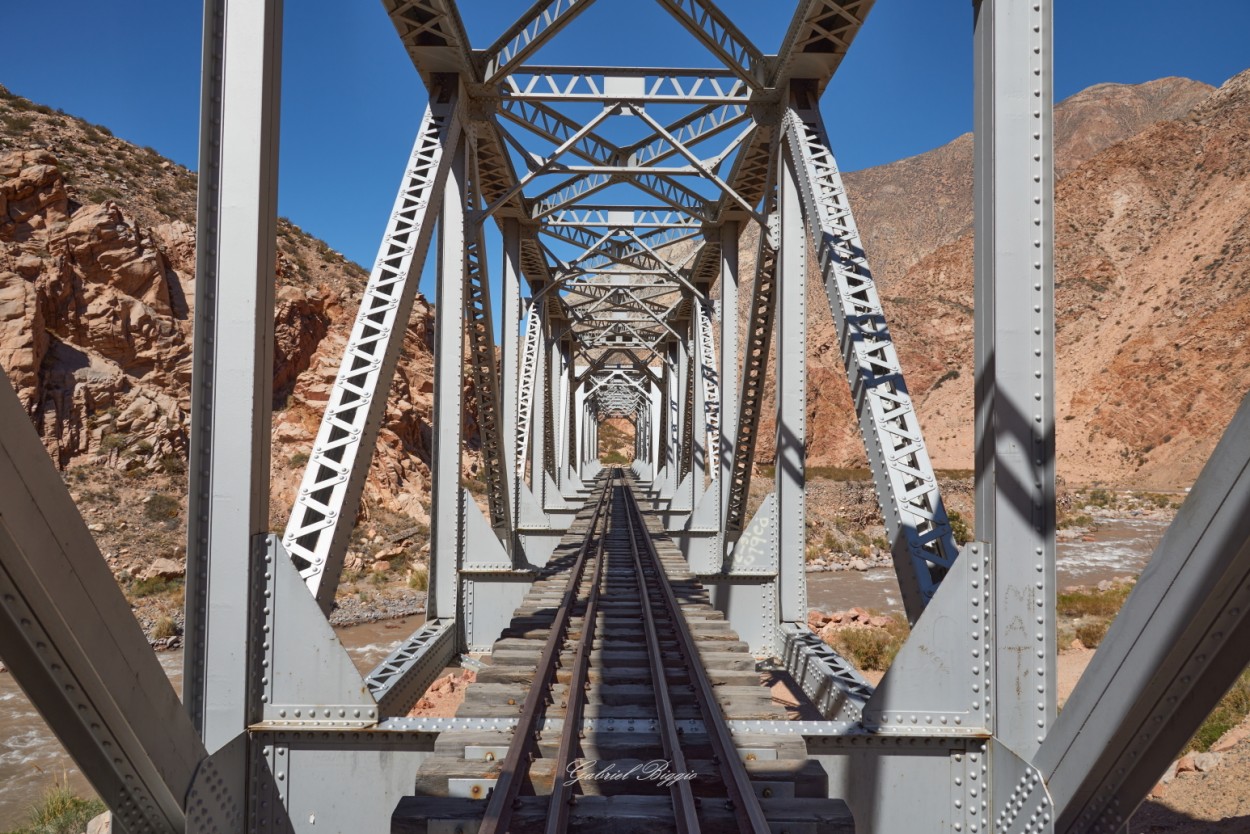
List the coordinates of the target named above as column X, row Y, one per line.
column 594, row 221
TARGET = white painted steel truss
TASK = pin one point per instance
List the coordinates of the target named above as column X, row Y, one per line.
column 616, row 245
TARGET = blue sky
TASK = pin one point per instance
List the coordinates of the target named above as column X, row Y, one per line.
column 351, row 99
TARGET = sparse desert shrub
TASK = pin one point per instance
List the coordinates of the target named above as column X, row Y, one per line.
column 1081, row 520
column 1090, row 634
column 1100, row 498
column 872, row 648
column 164, row 627
column 1228, row 713
column 959, row 527
column 161, row 507
column 867, row 648
column 61, row 811
column 18, row 123
column 1093, row 603
column 154, row 586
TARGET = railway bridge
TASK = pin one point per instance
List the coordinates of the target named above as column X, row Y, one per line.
column 622, row 610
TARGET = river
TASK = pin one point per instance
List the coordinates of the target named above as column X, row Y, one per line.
column 31, row 758
column 1120, row 547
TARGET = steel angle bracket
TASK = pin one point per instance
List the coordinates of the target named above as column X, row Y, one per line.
column 1022, row 804
column 482, row 548
column 939, row 682
column 554, row 500
column 706, row 515
column 530, row 514
column 212, row 805
column 683, row 495
column 755, row 552
column 307, row 677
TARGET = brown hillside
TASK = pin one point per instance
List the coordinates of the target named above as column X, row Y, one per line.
column 1152, row 311
column 97, row 293
column 909, row 208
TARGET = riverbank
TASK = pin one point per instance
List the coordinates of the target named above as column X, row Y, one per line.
column 162, row 617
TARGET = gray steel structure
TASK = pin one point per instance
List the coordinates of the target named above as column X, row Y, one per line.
column 621, row 279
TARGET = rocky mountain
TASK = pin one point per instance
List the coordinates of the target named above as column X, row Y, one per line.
column 97, row 291
column 97, row 295
column 1152, row 232
column 909, row 208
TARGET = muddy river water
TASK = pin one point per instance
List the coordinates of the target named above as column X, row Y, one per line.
column 32, row 760
column 1120, row 547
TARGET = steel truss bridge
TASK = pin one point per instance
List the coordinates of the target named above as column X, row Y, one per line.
column 621, row 279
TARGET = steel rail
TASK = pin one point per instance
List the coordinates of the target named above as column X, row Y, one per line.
column 742, row 798
column 685, row 811
column 575, row 700
column 498, row 814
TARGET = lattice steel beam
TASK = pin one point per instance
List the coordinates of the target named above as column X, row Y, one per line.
column 325, row 507
column 615, row 85
column 530, row 354
column 759, row 337
column 432, row 33
column 710, row 380
column 717, row 32
column 557, row 128
column 538, row 25
column 915, row 517
column 818, row 38
column 691, row 129
column 485, row 368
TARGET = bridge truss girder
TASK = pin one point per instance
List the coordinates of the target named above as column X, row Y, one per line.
column 609, row 312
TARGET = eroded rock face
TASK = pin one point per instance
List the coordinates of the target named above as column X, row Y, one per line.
column 1152, row 256
column 95, row 321
column 96, row 317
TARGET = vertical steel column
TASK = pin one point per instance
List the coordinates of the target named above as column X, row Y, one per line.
column 791, row 374
column 510, row 359
column 538, row 417
column 698, row 418
column 655, row 430
column 685, row 405
column 1015, row 358
column 672, row 425
column 551, row 402
column 232, row 376
column 564, row 413
column 729, row 368
column 445, row 533
column 560, row 422
column 578, row 425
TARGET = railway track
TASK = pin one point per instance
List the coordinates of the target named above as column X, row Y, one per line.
column 611, row 688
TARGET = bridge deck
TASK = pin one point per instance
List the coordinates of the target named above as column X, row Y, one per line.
column 612, row 777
